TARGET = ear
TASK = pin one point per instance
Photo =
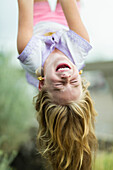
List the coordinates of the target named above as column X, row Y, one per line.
column 41, row 84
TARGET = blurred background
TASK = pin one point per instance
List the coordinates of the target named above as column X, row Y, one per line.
column 18, row 125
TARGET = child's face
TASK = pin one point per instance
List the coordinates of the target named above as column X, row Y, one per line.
column 62, row 78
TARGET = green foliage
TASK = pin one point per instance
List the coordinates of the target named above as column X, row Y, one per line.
column 6, row 159
column 17, row 113
column 104, row 161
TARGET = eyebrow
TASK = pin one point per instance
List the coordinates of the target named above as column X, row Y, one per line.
column 77, row 85
column 57, row 89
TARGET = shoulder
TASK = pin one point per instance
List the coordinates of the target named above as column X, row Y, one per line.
column 31, row 55
column 77, row 40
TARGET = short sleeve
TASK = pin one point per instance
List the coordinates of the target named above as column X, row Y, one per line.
column 30, row 57
column 75, row 47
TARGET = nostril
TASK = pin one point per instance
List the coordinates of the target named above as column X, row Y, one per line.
column 65, row 75
column 62, row 75
column 53, row 38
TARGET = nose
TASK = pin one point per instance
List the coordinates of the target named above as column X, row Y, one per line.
column 65, row 75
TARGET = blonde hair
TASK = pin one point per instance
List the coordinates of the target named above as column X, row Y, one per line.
column 66, row 134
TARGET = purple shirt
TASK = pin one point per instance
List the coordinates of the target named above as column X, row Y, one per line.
column 39, row 47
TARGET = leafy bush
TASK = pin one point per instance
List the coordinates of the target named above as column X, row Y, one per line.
column 104, row 161
column 6, row 159
column 17, row 113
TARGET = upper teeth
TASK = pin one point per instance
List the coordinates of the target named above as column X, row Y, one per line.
column 64, row 68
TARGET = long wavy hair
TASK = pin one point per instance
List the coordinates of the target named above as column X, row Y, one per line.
column 66, row 135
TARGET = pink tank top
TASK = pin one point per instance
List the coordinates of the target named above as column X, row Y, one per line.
column 42, row 12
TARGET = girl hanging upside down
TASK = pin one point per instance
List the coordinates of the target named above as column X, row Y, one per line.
column 53, row 44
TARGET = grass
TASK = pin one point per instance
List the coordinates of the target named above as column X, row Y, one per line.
column 104, row 161
column 17, row 114
column 6, row 159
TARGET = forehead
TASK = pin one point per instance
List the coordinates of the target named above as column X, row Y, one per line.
column 62, row 97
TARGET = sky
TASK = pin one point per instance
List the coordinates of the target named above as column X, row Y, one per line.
column 96, row 15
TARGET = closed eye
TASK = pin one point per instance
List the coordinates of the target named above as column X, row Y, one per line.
column 58, row 84
column 74, row 82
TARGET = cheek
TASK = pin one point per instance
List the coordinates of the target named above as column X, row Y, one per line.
column 76, row 73
column 48, row 72
column 49, row 77
column 49, row 80
column 78, row 91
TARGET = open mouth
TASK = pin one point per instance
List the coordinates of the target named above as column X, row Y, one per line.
column 63, row 67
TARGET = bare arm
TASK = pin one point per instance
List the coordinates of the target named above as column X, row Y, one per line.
column 25, row 24
column 73, row 18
